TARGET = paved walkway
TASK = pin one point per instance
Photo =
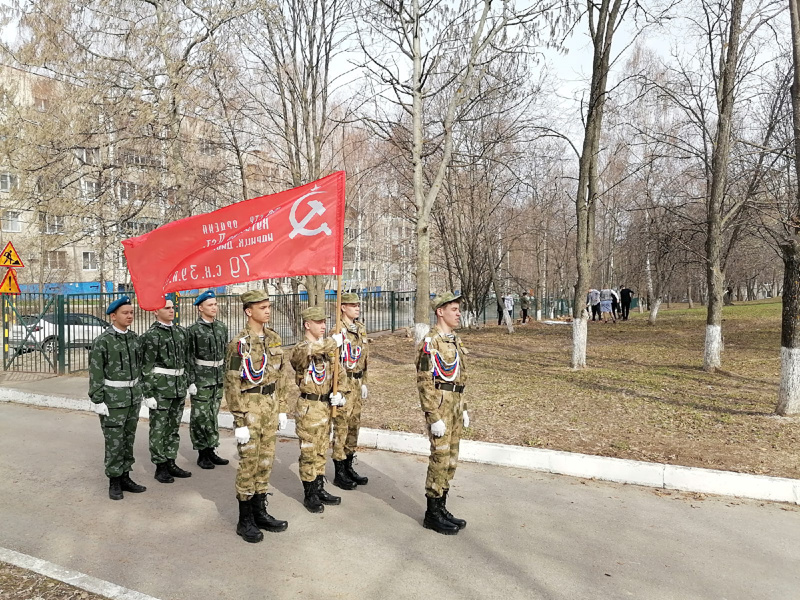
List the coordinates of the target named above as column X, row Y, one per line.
column 530, row 535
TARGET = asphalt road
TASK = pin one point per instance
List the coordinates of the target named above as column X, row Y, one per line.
column 529, row 536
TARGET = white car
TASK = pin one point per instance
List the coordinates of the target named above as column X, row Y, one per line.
column 80, row 329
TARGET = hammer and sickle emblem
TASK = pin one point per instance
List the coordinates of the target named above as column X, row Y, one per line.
column 299, row 227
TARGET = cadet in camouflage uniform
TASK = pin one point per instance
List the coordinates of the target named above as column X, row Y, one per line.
column 116, row 394
column 165, row 352
column 313, row 361
column 348, row 418
column 441, row 375
column 207, row 340
column 256, row 376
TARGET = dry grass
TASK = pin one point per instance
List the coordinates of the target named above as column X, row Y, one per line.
column 21, row 584
column 644, row 395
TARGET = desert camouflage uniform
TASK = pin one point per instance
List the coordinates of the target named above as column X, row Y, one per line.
column 117, row 357
column 441, row 404
column 312, row 417
column 255, row 407
column 207, row 343
column 165, row 347
column 347, row 421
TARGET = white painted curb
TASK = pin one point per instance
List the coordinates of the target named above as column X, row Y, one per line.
column 74, row 578
column 687, row 479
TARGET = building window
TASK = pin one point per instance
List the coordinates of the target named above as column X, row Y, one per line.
column 208, row 147
column 51, row 223
column 11, row 221
column 90, row 225
column 89, row 156
column 128, row 190
column 56, row 260
column 91, row 189
column 8, row 182
column 135, row 227
column 90, row 261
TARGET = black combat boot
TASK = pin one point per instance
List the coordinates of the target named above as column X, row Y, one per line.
column 203, row 460
column 434, row 519
column 342, row 480
column 216, row 458
column 175, row 470
column 324, row 496
column 163, row 474
column 115, row 488
column 460, row 523
column 352, row 473
column 129, row 485
column 262, row 518
column 311, row 500
column 246, row 527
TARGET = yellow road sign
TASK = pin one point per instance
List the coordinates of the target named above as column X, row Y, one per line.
column 10, row 285
column 10, row 258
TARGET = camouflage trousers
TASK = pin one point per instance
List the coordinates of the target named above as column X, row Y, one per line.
column 257, row 455
column 119, row 432
column 313, row 426
column 165, row 423
column 203, row 425
column 444, row 450
column 346, row 424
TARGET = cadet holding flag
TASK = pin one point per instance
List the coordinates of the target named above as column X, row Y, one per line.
column 207, row 340
column 256, row 375
column 165, row 353
column 347, row 421
column 116, row 394
column 441, row 376
column 313, row 360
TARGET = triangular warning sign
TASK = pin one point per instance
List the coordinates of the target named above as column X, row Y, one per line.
column 10, row 258
column 10, row 284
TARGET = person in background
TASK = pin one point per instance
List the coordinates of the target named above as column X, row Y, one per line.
column 524, row 305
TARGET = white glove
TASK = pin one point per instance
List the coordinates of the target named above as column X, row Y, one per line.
column 150, row 403
column 339, row 339
column 466, row 419
column 242, row 435
column 192, row 390
column 337, row 399
column 364, row 391
column 283, row 421
column 438, row 428
column 100, row 408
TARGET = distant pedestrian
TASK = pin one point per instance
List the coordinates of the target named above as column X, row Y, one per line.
column 606, row 304
column 593, row 301
column 524, row 305
column 615, row 305
column 626, row 295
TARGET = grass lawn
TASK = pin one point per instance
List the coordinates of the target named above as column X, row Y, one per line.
column 643, row 396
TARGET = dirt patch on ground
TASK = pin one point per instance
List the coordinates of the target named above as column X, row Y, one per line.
column 644, row 395
column 21, row 584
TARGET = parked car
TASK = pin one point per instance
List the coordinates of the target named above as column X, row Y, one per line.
column 80, row 330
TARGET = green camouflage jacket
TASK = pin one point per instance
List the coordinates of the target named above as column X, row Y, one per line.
column 322, row 354
column 207, row 342
column 448, row 348
column 164, row 347
column 277, row 372
column 116, row 357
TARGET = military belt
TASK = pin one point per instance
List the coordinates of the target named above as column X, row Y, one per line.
column 264, row 389
column 209, row 363
column 165, row 371
column 355, row 374
column 450, row 387
column 317, row 397
column 120, row 384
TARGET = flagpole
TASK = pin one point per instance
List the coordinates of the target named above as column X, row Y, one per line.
column 338, row 330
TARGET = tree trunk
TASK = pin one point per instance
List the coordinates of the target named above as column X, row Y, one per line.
column 689, row 295
column 651, row 319
column 542, row 292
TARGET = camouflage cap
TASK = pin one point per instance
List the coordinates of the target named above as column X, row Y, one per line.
column 253, row 296
column 313, row 313
column 350, row 298
column 442, row 299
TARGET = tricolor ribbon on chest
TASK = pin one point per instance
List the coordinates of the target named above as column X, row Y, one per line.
column 350, row 354
column 249, row 371
column 447, row 371
column 316, row 374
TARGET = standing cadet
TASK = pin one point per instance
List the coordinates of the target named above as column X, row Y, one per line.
column 165, row 351
column 441, row 375
column 348, row 418
column 255, row 389
column 116, row 394
column 207, row 340
column 313, row 361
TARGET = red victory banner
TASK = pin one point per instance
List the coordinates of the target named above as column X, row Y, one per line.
column 295, row 232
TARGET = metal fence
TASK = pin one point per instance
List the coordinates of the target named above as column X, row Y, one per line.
column 53, row 333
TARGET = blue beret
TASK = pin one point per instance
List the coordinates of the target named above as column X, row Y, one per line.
column 204, row 296
column 117, row 303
